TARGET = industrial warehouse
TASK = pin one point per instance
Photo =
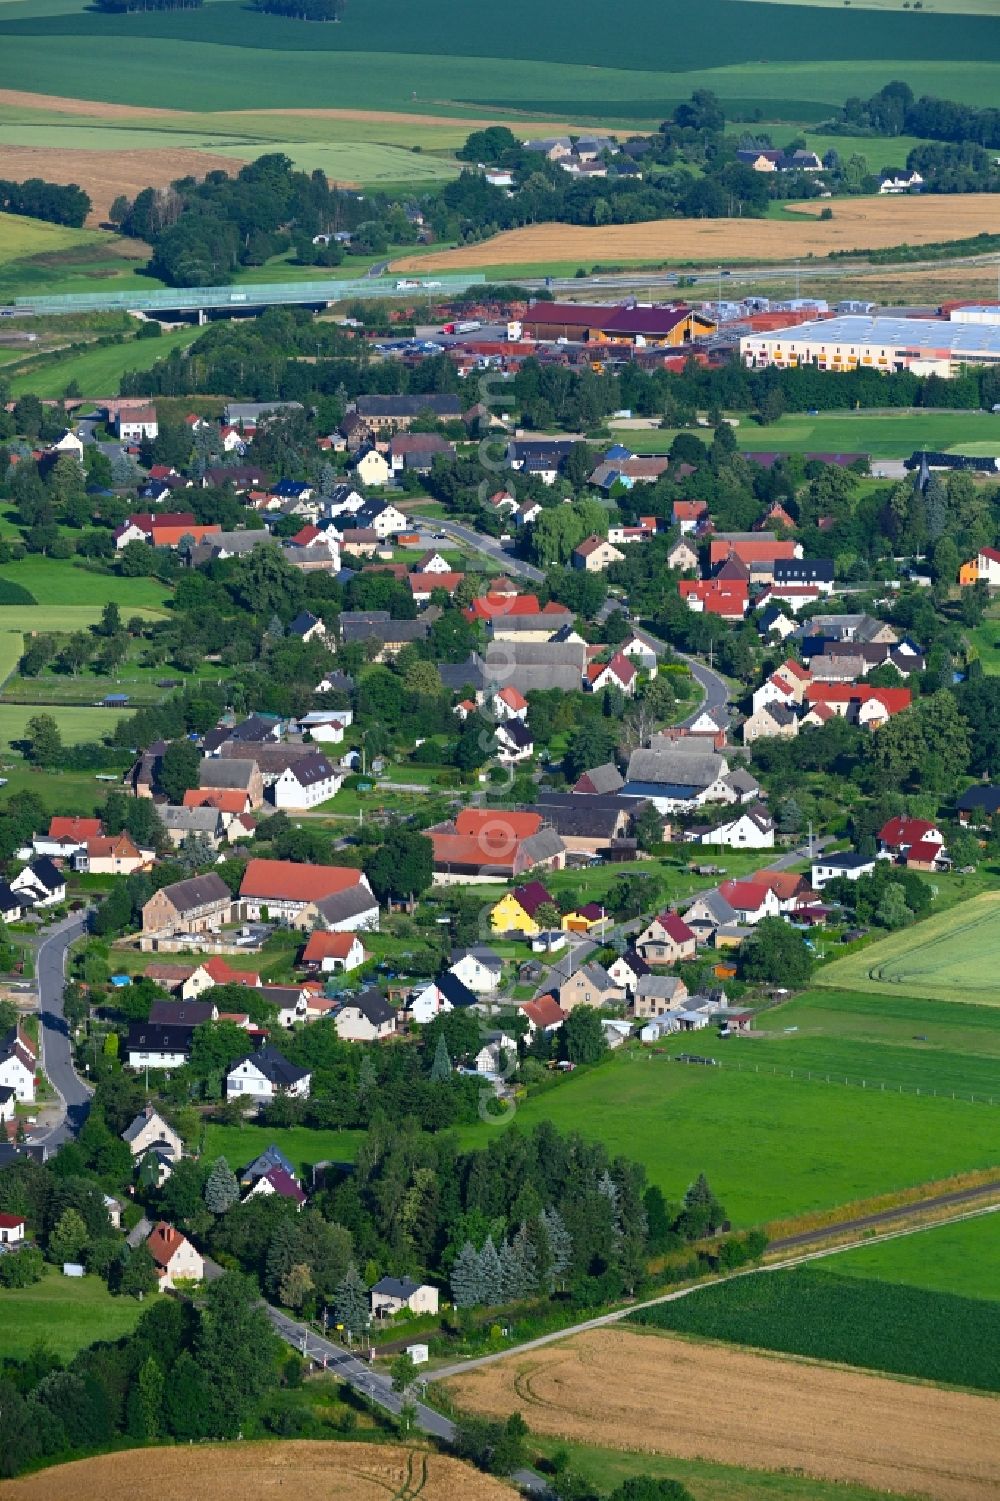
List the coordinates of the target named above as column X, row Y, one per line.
column 631, row 323
column 925, row 346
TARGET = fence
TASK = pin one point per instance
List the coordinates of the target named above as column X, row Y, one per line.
column 819, row 1076
column 249, row 295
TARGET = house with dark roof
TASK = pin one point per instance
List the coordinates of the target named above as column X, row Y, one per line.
column 271, row 1157
column 365, row 1018
column 516, row 911
column 154, row 1045
column 393, row 1294
column 264, row 1074
column 666, row 939
column 600, row 779
column 309, row 781
column 978, row 806
column 200, row 904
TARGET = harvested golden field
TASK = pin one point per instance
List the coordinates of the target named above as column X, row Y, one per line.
column 105, row 174
column 307, row 1471
column 857, row 224
column 648, row 1392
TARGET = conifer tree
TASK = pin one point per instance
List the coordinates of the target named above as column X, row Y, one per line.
column 221, row 1188
column 441, row 1067
column 350, row 1303
column 466, row 1281
column 490, row 1273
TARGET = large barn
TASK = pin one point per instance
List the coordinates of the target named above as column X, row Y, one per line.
column 628, row 323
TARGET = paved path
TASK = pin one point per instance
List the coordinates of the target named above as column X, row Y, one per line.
column 57, row 1046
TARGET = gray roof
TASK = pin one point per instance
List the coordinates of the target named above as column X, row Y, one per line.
column 397, row 1287
column 962, row 340
column 483, row 953
column 386, row 630
column 197, row 891
column 138, row 1125
column 181, row 1013
column 249, row 411
column 551, row 622
column 674, row 767
column 308, row 770
column 597, row 975
column 721, row 910
column 543, row 845
column 440, row 403
column 457, row 675
column 582, row 817
column 662, row 987
column 343, row 905
column 269, row 759
column 227, row 771
column 741, row 781
column 605, row 778
column 274, row 1066
column 191, row 820
column 373, row 1007
column 529, row 665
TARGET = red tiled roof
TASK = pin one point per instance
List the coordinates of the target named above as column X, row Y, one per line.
column 286, row 880
column 327, row 946
column 11, row 1221
column 163, row 1242
column 675, row 927
column 925, row 852
column 689, row 510
column 167, row 536
column 745, row 896
column 513, row 698
column 487, row 606
column 893, row 700
column 756, row 550
column 497, row 824
column 544, row 1011
column 224, row 974
column 905, row 830
column 62, row 827
column 424, row 583
column 226, row 799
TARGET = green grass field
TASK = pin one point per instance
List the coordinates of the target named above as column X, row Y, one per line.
column 605, row 1469
column 64, row 1313
column 21, row 237
column 440, row 60
column 884, row 437
column 772, row 1147
column 303, row 1148
column 963, row 1258
column 953, row 956
column 76, row 725
column 97, row 372
column 814, row 1311
column 68, row 586
column 895, row 1042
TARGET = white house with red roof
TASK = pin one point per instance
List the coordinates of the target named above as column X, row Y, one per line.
column 216, row 971
column 751, row 900
column 175, row 1257
column 595, row 554
column 989, row 567
column 688, row 513
column 543, row 1014
column 621, row 672
column 11, row 1229
column 286, row 888
column 333, row 953
column 509, row 703
column 727, row 598
column 66, row 836
column 900, row 836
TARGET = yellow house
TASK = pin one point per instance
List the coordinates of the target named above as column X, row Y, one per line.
column 515, row 912
column 968, row 573
column 582, row 919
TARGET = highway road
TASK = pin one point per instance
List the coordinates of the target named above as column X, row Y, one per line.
column 57, row 1048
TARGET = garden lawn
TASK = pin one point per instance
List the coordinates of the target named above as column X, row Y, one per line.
column 68, row 792
column 62, row 582
column 63, row 1313
column 952, row 956
column 772, row 1147
column 963, row 1258
column 305, row 1149
column 98, row 372
column 76, row 725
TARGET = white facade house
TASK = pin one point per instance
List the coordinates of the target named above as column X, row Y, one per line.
column 849, row 865
column 749, row 831
column 135, row 424
column 18, row 1060
column 265, row 1074
column 479, row 969
column 307, row 782
column 427, row 1004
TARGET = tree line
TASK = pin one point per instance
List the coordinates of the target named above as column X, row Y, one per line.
column 57, row 203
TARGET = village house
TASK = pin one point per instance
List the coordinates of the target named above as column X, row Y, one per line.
column 149, row 1131
column 620, row 673
column 265, row 1074
column 515, row 911
column 656, row 995
column 309, row 781
column 135, row 424
column 291, row 891
column 590, row 985
column 543, row 1014
column 392, row 1294
column 365, row 1018
column 595, row 555
column 11, row 1229
column 752, row 829
column 682, row 557
column 667, row 939
column 627, row 970
column 200, row 904
column 446, row 993
column 277, row 1182
column 176, row 1259
column 774, row 720
column 157, row 1045
column 18, row 1064
column 479, row 846
column 849, row 866
column 333, row 953
column 479, row 969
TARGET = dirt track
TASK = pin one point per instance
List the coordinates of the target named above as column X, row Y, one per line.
column 305, row 1471
column 857, row 224
column 649, row 1392
column 105, row 174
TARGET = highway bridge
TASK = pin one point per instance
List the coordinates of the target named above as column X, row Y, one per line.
column 245, row 297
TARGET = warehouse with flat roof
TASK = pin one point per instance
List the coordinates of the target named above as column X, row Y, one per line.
column 925, row 346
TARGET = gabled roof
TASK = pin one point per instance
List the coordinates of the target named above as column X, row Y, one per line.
column 61, row 827
column 283, row 1184
column 675, row 927
column 544, row 1011
column 903, row 830
column 328, row 946
column 197, row 891
column 531, row 896
column 599, row 779
column 164, row 1243
column 373, row 1007
column 286, row 880
column 274, row 1066
column 456, row 991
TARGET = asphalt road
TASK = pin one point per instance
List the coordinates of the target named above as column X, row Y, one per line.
column 57, row 1048
column 372, row 1384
